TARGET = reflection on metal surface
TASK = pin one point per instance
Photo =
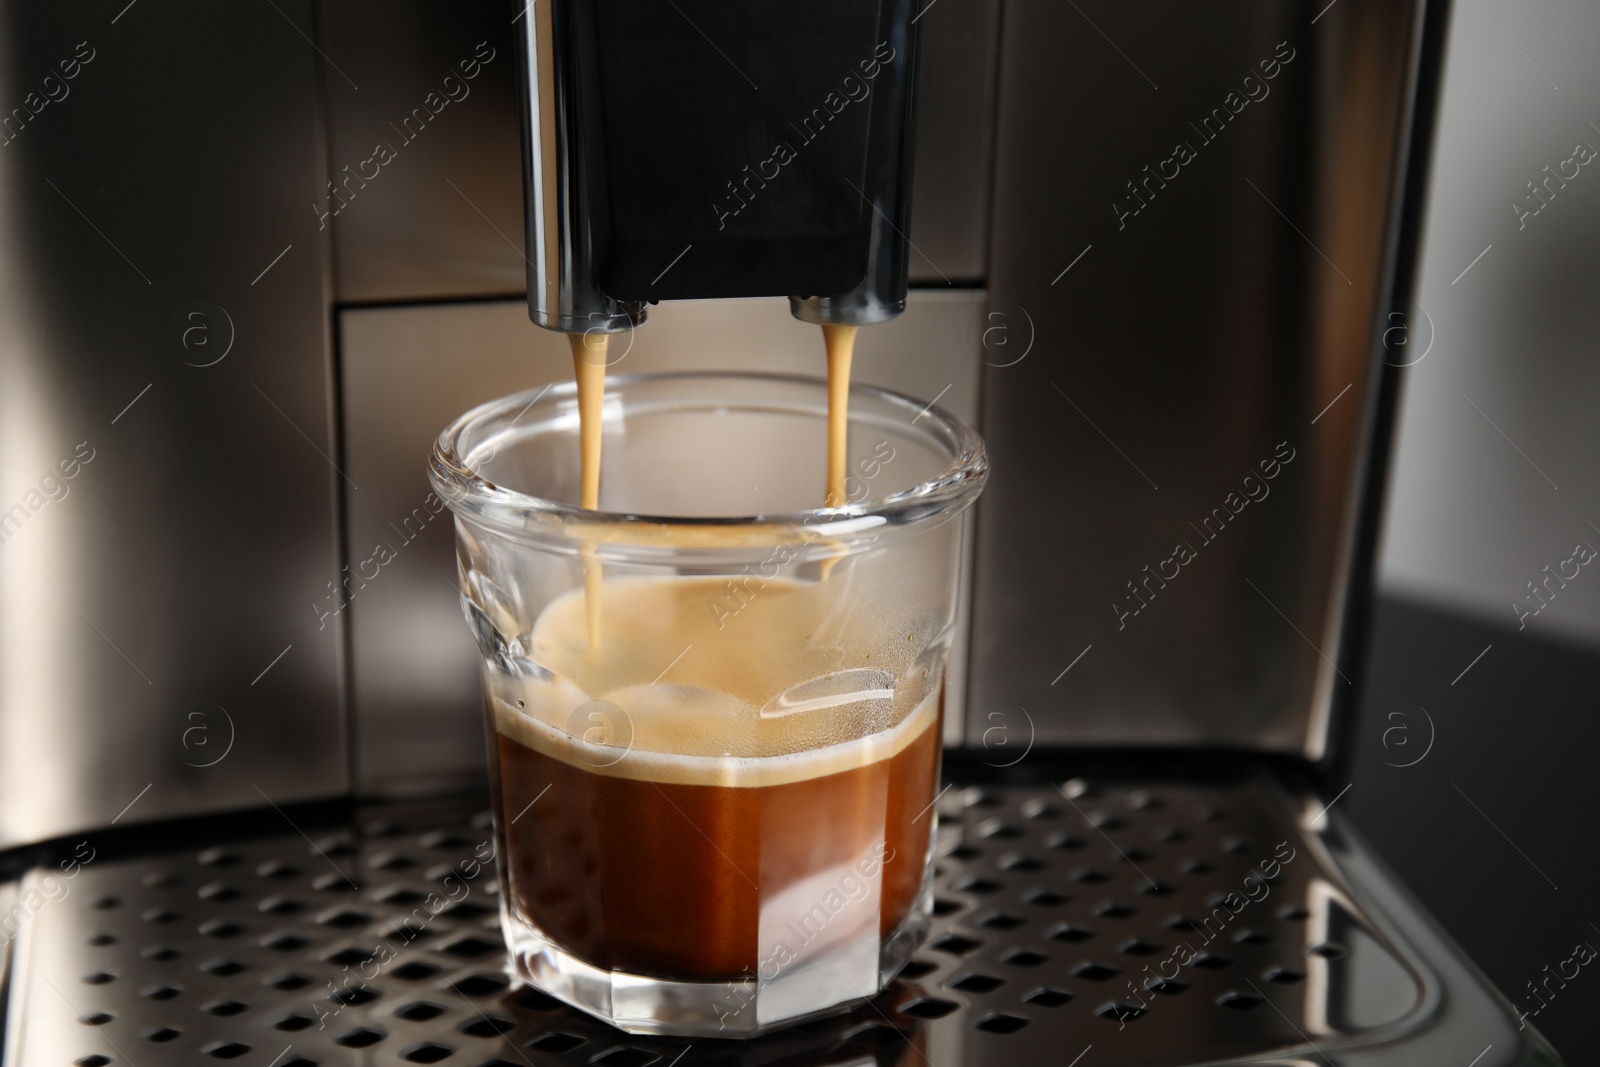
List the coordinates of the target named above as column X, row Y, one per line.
column 163, row 527
column 952, row 176
column 1058, row 918
column 1226, row 319
column 1353, row 982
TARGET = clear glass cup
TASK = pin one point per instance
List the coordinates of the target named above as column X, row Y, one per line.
column 714, row 809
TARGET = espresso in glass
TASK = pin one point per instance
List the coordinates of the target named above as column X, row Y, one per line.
column 703, row 825
column 714, row 737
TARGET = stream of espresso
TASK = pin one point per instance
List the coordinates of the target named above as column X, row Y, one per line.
column 589, row 368
column 841, row 342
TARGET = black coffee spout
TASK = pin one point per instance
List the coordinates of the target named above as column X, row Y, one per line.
column 716, row 148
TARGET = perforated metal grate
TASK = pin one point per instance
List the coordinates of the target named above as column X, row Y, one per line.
column 1072, row 918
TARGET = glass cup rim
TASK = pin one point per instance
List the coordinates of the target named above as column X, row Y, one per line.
column 526, row 517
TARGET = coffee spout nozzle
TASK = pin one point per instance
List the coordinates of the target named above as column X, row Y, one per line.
column 608, row 227
column 860, row 307
column 881, row 294
column 564, row 293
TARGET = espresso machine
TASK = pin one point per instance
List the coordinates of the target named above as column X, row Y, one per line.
column 258, row 255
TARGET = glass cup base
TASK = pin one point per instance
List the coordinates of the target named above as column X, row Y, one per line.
column 736, row 1008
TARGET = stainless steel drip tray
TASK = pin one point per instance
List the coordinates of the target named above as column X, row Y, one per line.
column 1090, row 923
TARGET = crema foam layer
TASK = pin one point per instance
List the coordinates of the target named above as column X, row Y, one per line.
column 693, row 686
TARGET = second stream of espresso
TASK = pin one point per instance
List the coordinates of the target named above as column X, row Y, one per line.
column 841, row 342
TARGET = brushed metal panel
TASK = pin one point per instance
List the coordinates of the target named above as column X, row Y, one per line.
column 177, row 562
column 1221, row 317
column 408, row 371
column 955, row 142
column 444, row 218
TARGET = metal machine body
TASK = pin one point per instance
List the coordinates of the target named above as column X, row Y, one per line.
column 636, row 192
column 298, row 244
column 1143, row 921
